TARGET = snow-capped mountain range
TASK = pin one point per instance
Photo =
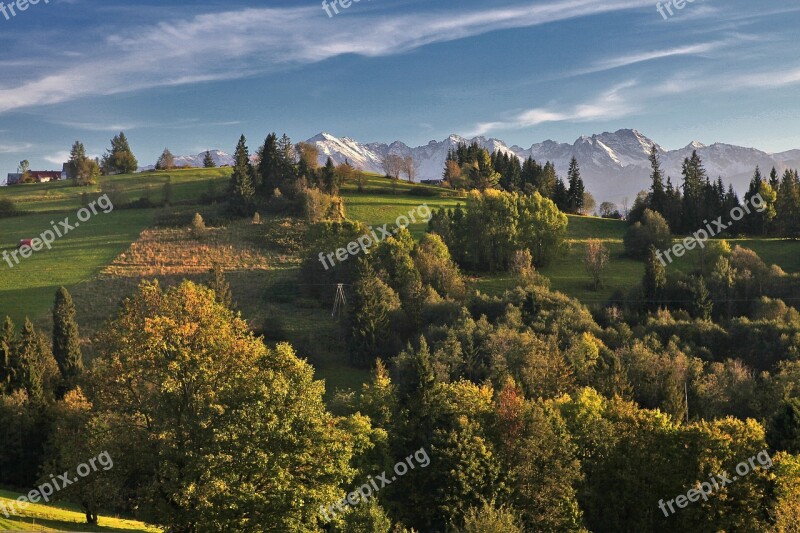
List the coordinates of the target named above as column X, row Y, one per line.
column 613, row 165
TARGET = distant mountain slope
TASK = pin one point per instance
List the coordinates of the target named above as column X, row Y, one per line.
column 614, row 165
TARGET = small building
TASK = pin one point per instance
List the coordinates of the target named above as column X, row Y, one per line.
column 431, row 182
column 38, row 176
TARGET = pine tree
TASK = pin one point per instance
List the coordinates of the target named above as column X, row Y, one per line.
column 329, row 178
column 8, row 362
column 658, row 196
column 66, row 340
column 694, row 177
column 373, row 302
column 576, row 188
column 208, row 161
column 166, row 161
column 34, row 358
column 119, row 159
column 560, row 195
column 703, row 304
column 269, row 166
column 77, row 159
column 655, row 276
column 242, row 189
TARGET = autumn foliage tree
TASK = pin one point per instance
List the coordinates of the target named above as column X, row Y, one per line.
column 213, row 431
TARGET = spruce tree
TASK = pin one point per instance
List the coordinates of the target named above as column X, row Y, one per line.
column 221, row 287
column 208, row 161
column 703, row 304
column 655, row 277
column 269, row 166
column 242, row 189
column 8, row 362
column 66, row 339
column 119, row 159
column 329, row 178
column 166, row 161
column 694, row 177
column 33, row 357
column 658, row 196
column 77, row 160
column 576, row 188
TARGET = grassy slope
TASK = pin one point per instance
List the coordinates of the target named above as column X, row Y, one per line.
column 27, row 289
column 61, row 517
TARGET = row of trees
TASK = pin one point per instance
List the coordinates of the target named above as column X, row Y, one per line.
column 473, row 167
column 699, row 199
column 518, row 222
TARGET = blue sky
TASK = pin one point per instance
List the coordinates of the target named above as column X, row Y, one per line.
column 193, row 75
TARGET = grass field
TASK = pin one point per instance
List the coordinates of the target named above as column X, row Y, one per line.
column 61, row 517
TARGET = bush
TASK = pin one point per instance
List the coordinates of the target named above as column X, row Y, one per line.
column 8, row 209
column 653, row 230
column 318, row 206
column 198, row 225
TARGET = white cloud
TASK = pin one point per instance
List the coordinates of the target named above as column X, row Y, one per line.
column 58, row 158
column 235, row 44
column 611, row 104
column 15, row 148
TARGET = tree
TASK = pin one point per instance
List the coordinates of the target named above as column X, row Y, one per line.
column 9, row 366
column 393, row 165
column 370, row 316
column 119, row 159
column 410, row 168
column 66, row 339
column 609, row 210
column 703, row 304
column 77, row 157
column 208, row 161
column 589, row 203
column 596, row 261
column 489, row 519
column 330, row 179
column 80, row 167
column 221, row 287
column 25, row 170
column 452, row 174
column 269, row 173
column 694, row 178
column 576, row 188
column 242, row 189
column 203, row 450
column 655, row 276
column 38, row 371
column 657, row 200
column 653, row 230
column 542, row 228
column 198, row 225
column 166, row 161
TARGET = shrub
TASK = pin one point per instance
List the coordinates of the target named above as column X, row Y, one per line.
column 319, row 206
column 8, row 208
column 198, row 225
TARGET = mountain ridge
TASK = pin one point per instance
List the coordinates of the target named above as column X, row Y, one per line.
column 614, row 165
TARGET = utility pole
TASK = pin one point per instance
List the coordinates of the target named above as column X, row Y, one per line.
column 341, row 300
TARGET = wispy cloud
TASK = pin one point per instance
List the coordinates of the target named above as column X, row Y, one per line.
column 247, row 42
column 610, row 104
column 651, row 55
column 14, row 148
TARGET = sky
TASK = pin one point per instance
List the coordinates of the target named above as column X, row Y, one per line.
column 194, row 75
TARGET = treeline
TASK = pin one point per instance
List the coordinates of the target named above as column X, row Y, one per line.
column 699, row 200
column 473, row 167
